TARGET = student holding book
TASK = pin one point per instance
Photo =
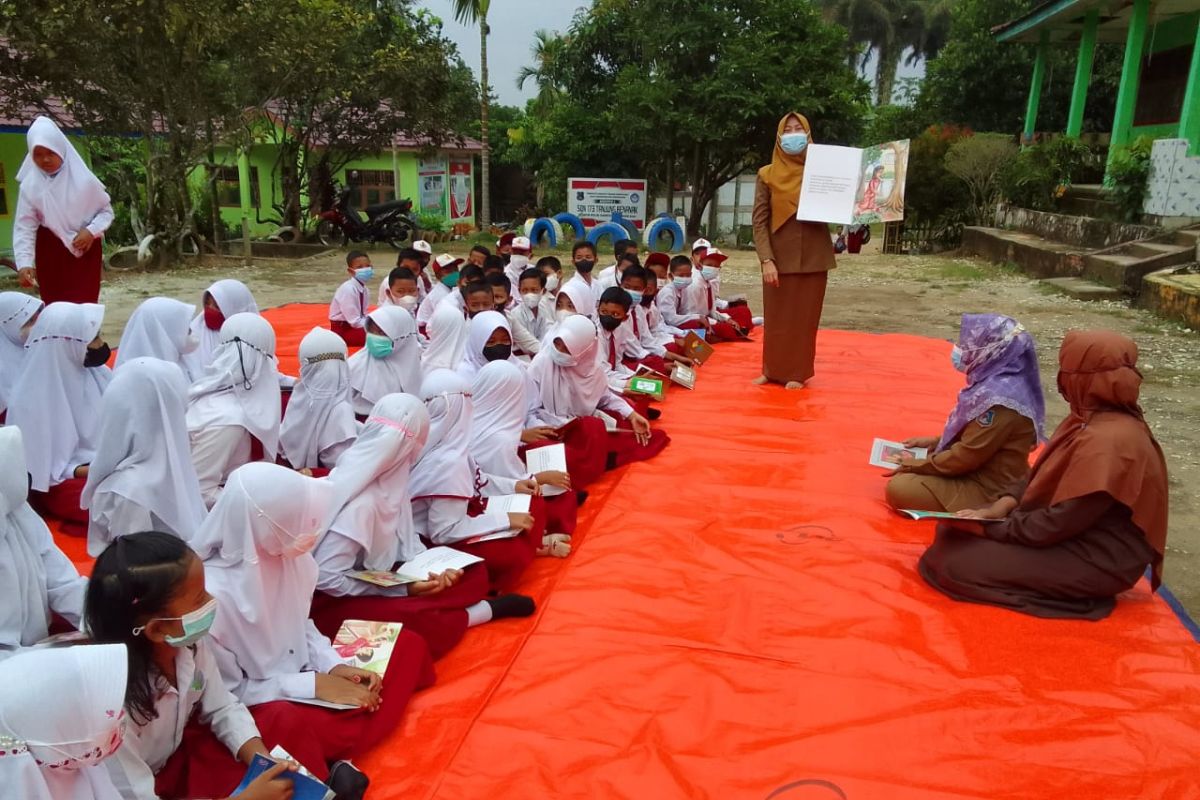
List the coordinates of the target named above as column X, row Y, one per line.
column 370, row 527
column 257, row 548
column 36, row 578
column 996, row 423
column 222, row 300
column 391, row 361
column 445, row 483
column 707, row 296
column 319, row 424
column 142, row 477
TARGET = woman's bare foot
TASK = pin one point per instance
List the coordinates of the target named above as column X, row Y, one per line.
column 794, row 385
column 760, row 380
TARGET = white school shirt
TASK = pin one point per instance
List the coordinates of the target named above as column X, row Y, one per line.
column 607, row 279
column 349, row 304
column 297, row 676
column 612, row 352
column 702, row 299
column 430, row 303
column 201, row 690
column 665, row 334
column 444, row 520
column 641, row 336
column 529, row 328
column 338, row 555
column 673, row 307
column 216, row 452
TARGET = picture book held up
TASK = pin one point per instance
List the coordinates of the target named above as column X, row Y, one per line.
column 887, row 454
column 854, row 186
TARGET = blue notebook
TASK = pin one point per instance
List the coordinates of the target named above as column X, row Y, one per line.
column 305, row 787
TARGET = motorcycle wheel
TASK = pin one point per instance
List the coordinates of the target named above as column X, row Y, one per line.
column 329, row 233
column 397, row 235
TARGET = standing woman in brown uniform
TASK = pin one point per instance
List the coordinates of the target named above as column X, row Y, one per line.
column 796, row 258
column 1094, row 515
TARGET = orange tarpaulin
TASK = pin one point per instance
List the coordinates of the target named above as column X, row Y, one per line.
column 742, row 618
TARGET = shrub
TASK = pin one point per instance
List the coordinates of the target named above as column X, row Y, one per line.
column 894, row 122
column 932, row 194
column 431, row 221
column 978, row 161
column 1128, row 170
column 1041, row 173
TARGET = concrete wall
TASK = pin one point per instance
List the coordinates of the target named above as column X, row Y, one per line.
column 734, row 204
column 1087, row 233
column 1174, row 182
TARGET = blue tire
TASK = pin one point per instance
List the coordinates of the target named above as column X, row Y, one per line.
column 543, row 226
column 567, row 218
column 613, row 229
column 631, row 230
column 664, row 226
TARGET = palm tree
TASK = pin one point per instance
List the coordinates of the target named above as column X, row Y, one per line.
column 468, row 12
column 547, row 51
column 867, row 22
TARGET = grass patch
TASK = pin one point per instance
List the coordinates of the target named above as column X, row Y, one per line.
column 962, row 272
column 1145, row 327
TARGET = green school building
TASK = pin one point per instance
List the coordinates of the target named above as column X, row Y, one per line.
column 440, row 181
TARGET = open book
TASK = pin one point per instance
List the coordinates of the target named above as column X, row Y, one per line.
column 304, row 785
column 920, row 515
column 684, row 376
column 853, row 186
column 367, row 645
column 551, row 458
column 435, row 560
column 887, row 454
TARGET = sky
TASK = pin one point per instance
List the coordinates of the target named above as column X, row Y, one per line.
column 513, row 23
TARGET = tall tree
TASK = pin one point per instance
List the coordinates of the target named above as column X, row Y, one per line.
column 546, row 70
column 476, row 11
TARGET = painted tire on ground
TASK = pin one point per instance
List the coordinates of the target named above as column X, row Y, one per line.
column 544, row 226
column 664, row 226
column 575, row 223
column 631, row 231
column 613, row 229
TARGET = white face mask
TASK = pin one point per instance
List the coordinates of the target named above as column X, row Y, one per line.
column 560, row 358
column 518, row 262
column 551, row 283
column 710, row 273
column 189, row 345
column 407, row 302
column 531, row 299
column 562, row 314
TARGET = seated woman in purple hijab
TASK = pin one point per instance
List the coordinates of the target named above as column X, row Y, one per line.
column 999, row 419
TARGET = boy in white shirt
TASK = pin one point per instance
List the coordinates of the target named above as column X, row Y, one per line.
column 348, row 310
column 672, row 298
column 708, row 283
column 551, row 267
column 445, row 269
column 649, row 346
column 424, row 253
column 533, row 315
column 518, row 262
column 402, row 289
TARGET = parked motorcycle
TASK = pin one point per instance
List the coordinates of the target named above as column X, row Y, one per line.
column 389, row 222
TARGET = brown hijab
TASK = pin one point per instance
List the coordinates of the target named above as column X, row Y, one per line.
column 1104, row 445
column 784, row 174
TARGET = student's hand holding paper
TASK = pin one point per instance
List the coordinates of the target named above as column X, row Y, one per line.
column 362, row 677
column 271, row 785
column 541, row 433
column 438, row 582
column 343, row 691
column 527, row 486
column 520, row 521
column 553, row 477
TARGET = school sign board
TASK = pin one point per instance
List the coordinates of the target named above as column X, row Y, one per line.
column 594, row 200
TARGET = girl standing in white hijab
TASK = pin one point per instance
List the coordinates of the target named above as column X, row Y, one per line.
column 35, row 576
column 222, row 300
column 18, row 312
column 445, row 482
column 257, row 547
column 319, row 424
column 60, row 718
column 142, row 478
column 448, row 333
column 389, row 363
column 56, row 404
column 62, row 214
column 235, row 404
column 370, row 527
column 158, row 328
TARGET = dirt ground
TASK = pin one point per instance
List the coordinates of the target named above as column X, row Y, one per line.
column 864, row 294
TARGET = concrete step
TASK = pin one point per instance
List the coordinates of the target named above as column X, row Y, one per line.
column 1187, row 237
column 1039, row 257
column 1154, row 249
column 1173, row 293
column 1124, row 270
column 1081, row 289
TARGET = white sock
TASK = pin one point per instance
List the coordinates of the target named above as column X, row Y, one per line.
column 479, row 613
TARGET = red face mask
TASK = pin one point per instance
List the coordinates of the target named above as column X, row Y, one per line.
column 213, row 319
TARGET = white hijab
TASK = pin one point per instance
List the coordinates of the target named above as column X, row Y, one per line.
column 61, row 715
column 257, row 548
column 481, row 328
column 319, row 414
column 444, row 468
column 24, row 612
column 232, row 297
column 499, row 400
column 56, row 401
column 582, row 297
column 569, row 385
column 448, row 332
column 371, row 503
column 241, row 385
column 15, row 310
column 67, row 200
column 158, row 328
column 371, row 378
column 142, row 451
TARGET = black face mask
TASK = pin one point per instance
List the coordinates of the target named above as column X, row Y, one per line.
column 647, row 300
column 497, row 352
column 507, row 257
column 584, row 266
column 97, row 356
column 609, row 322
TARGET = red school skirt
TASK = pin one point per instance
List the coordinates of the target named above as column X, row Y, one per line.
column 63, row 278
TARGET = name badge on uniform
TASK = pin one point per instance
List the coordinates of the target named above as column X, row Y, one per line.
column 987, row 419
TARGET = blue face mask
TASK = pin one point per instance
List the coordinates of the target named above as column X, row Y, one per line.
column 681, row 282
column 956, row 358
column 793, row 143
column 634, row 295
column 451, row 279
column 196, row 625
column 710, row 273
column 364, row 274
column 379, row 346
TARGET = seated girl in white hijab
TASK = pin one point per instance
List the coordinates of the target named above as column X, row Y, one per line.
column 36, row 578
column 389, row 363
column 235, row 404
column 319, row 423
column 61, row 720
column 489, row 338
column 56, row 404
column 446, row 484
column 257, row 547
column 498, row 396
column 371, row 528
column 222, row 300
column 18, row 312
column 448, row 331
column 142, row 478
column 158, row 328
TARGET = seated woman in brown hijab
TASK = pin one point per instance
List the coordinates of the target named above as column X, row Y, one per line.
column 1094, row 514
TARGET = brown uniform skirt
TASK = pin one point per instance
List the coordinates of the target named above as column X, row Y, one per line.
column 793, row 314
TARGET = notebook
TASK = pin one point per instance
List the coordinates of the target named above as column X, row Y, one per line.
column 684, row 376
column 304, row 787
column 696, row 348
